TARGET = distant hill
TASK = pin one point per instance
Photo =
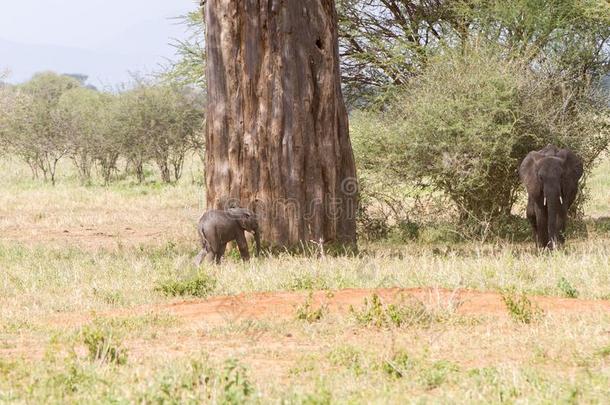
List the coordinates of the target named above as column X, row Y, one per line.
column 139, row 47
column 103, row 67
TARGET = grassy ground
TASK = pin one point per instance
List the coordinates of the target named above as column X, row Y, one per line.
column 92, row 249
column 599, row 186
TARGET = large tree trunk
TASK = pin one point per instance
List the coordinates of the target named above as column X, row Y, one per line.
column 277, row 131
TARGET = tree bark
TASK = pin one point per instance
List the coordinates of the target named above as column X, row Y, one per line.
column 277, row 128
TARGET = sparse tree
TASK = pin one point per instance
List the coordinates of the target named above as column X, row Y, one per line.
column 7, row 103
column 79, row 118
column 189, row 68
column 386, row 43
column 130, row 126
column 35, row 134
column 108, row 138
column 159, row 123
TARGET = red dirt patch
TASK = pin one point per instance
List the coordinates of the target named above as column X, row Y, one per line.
column 282, row 305
column 199, row 316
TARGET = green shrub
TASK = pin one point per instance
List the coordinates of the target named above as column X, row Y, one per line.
column 235, row 383
column 397, row 366
column 306, row 311
column 103, row 345
column 463, row 127
column 372, row 226
column 604, row 352
column 407, row 230
column 459, row 134
column 406, row 313
column 200, row 285
column 602, row 225
column 192, row 382
column 307, row 281
column 440, row 233
column 73, row 379
column 520, row 308
column 429, row 375
column 347, row 357
column 320, row 396
column 435, row 375
column 567, row 289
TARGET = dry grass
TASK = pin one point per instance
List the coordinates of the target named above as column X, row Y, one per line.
column 124, row 241
column 91, row 217
column 457, row 360
column 598, row 205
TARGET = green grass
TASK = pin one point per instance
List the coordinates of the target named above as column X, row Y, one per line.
column 346, row 374
column 564, row 285
column 199, row 285
column 57, row 381
column 103, row 345
column 386, row 352
column 62, row 280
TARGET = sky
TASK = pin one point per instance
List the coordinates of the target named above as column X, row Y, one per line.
column 105, row 39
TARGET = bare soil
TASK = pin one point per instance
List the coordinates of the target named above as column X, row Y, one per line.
column 281, row 306
column 87, row 237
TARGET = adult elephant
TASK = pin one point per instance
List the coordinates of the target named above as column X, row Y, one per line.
column 551, row 177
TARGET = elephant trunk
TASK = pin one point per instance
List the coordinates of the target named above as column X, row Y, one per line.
column 553, row 201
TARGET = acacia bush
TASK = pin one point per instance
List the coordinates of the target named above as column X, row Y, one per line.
column 79, row 116
column 159, row 123
column 107, row 140
column 465, row 125
column 446, row 149
column 33, row 133
column 383, row 199
column 6, row 105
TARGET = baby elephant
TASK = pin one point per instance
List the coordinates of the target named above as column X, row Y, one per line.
column 217, row 227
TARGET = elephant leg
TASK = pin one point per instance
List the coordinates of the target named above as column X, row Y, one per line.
column 541, row 226
column 531, row 217
column 199, row 259
column 204, row 255
column 213, row 247
column 220, row 252
column 205, row 248
column 242, row 244
column 209, row 257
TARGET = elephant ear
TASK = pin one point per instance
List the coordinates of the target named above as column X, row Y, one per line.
column 528, row 172
column 572, row 163
column 573, row 170
column 245, row 219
